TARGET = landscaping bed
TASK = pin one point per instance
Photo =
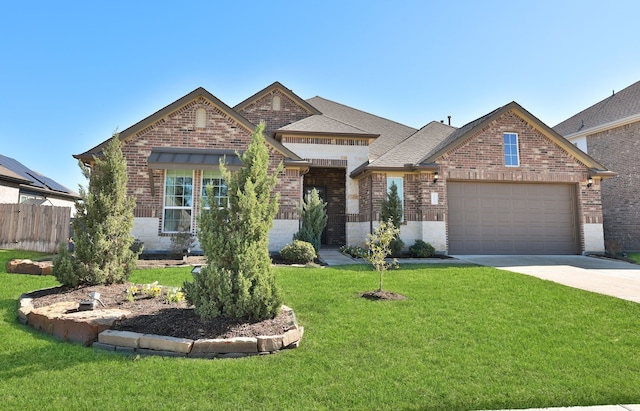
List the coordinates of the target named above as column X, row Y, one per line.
column 155, row 316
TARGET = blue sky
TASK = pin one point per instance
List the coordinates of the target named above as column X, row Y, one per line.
column 72, row 72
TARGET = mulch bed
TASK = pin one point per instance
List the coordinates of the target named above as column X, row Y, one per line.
column 155, row 316
column 382, row 295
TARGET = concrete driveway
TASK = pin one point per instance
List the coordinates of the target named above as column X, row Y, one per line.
column 600, row 275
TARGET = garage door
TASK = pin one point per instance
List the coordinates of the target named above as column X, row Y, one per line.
column 504, row 218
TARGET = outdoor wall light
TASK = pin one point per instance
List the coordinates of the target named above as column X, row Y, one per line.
column 435, row 177
column 589, row 182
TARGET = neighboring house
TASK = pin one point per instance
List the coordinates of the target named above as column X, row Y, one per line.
column 610, row 132
column 503, row 184
column 20, row 184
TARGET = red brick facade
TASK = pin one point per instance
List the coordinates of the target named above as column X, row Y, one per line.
column 481, row 158
column 619, row 150
column 331, row 157
column 177, row 130
column 262, row 110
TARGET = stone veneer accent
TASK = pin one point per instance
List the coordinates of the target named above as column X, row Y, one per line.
column 93, row 328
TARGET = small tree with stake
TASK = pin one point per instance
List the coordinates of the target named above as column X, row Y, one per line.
column 378, row 244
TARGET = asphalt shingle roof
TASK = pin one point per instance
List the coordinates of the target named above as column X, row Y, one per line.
column 323, row 124
column 623, row 104
column 413, row 149
column 391, row 133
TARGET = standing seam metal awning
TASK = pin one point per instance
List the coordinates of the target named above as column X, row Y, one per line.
column 170, row 158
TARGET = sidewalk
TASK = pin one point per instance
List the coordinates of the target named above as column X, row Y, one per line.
column 332, row 256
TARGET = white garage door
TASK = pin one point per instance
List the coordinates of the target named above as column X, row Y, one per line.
column 505, row 218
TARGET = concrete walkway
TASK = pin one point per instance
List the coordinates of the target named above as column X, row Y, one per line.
column 331, row 256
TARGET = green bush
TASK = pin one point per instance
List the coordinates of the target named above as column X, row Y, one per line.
column 104, row 220
column 63, row 267
column 353, row 251
column 300, row 252
column 314, row 219
column 422, row 250
column 239, row 281
column 396, row 247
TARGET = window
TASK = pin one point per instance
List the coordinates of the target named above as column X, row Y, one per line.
column 511, row 157
column 201, row 118
column 214, row 179
column 398, row 182
column 178, row 201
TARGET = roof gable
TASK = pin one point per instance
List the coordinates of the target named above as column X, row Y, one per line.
column 468, row 131
column 268, row 90
column 177, row 105
column 605, row 114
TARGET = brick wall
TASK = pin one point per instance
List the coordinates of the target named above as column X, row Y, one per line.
column 262, row 110
column 619, row 150
column 178, row 130
column 541, row 160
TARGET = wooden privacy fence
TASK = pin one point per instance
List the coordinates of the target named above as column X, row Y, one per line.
column 33, row 227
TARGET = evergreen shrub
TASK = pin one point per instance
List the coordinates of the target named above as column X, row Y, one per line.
column 299, row 252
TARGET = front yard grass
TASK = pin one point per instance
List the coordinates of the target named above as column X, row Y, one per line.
column 466, row 338
column 635, row 257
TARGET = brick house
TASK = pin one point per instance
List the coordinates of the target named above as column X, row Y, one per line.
column 503, row 184
column 610, row 132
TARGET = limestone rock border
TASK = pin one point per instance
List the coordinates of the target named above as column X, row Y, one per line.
column 93, row 328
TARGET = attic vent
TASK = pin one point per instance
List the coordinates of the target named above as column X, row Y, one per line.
column 275, row 103
column 201, row 118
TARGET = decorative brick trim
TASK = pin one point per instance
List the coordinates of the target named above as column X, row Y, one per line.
column 333, row 141
column 324, row 162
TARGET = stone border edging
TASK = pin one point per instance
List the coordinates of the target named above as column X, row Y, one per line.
column 76, row 328
column 150, row 344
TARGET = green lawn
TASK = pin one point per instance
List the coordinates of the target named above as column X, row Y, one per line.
column 635, row 257
column 466, row 338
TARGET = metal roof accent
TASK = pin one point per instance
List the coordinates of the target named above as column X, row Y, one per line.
column 172, row 158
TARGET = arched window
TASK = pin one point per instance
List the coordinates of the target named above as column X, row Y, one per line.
column 275, row 103
column 201, row 118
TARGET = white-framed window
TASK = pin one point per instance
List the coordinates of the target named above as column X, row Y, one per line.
column 511, row 156
column 215, row 180
column 178, row 201
column 275, row 103
column 399, row 184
